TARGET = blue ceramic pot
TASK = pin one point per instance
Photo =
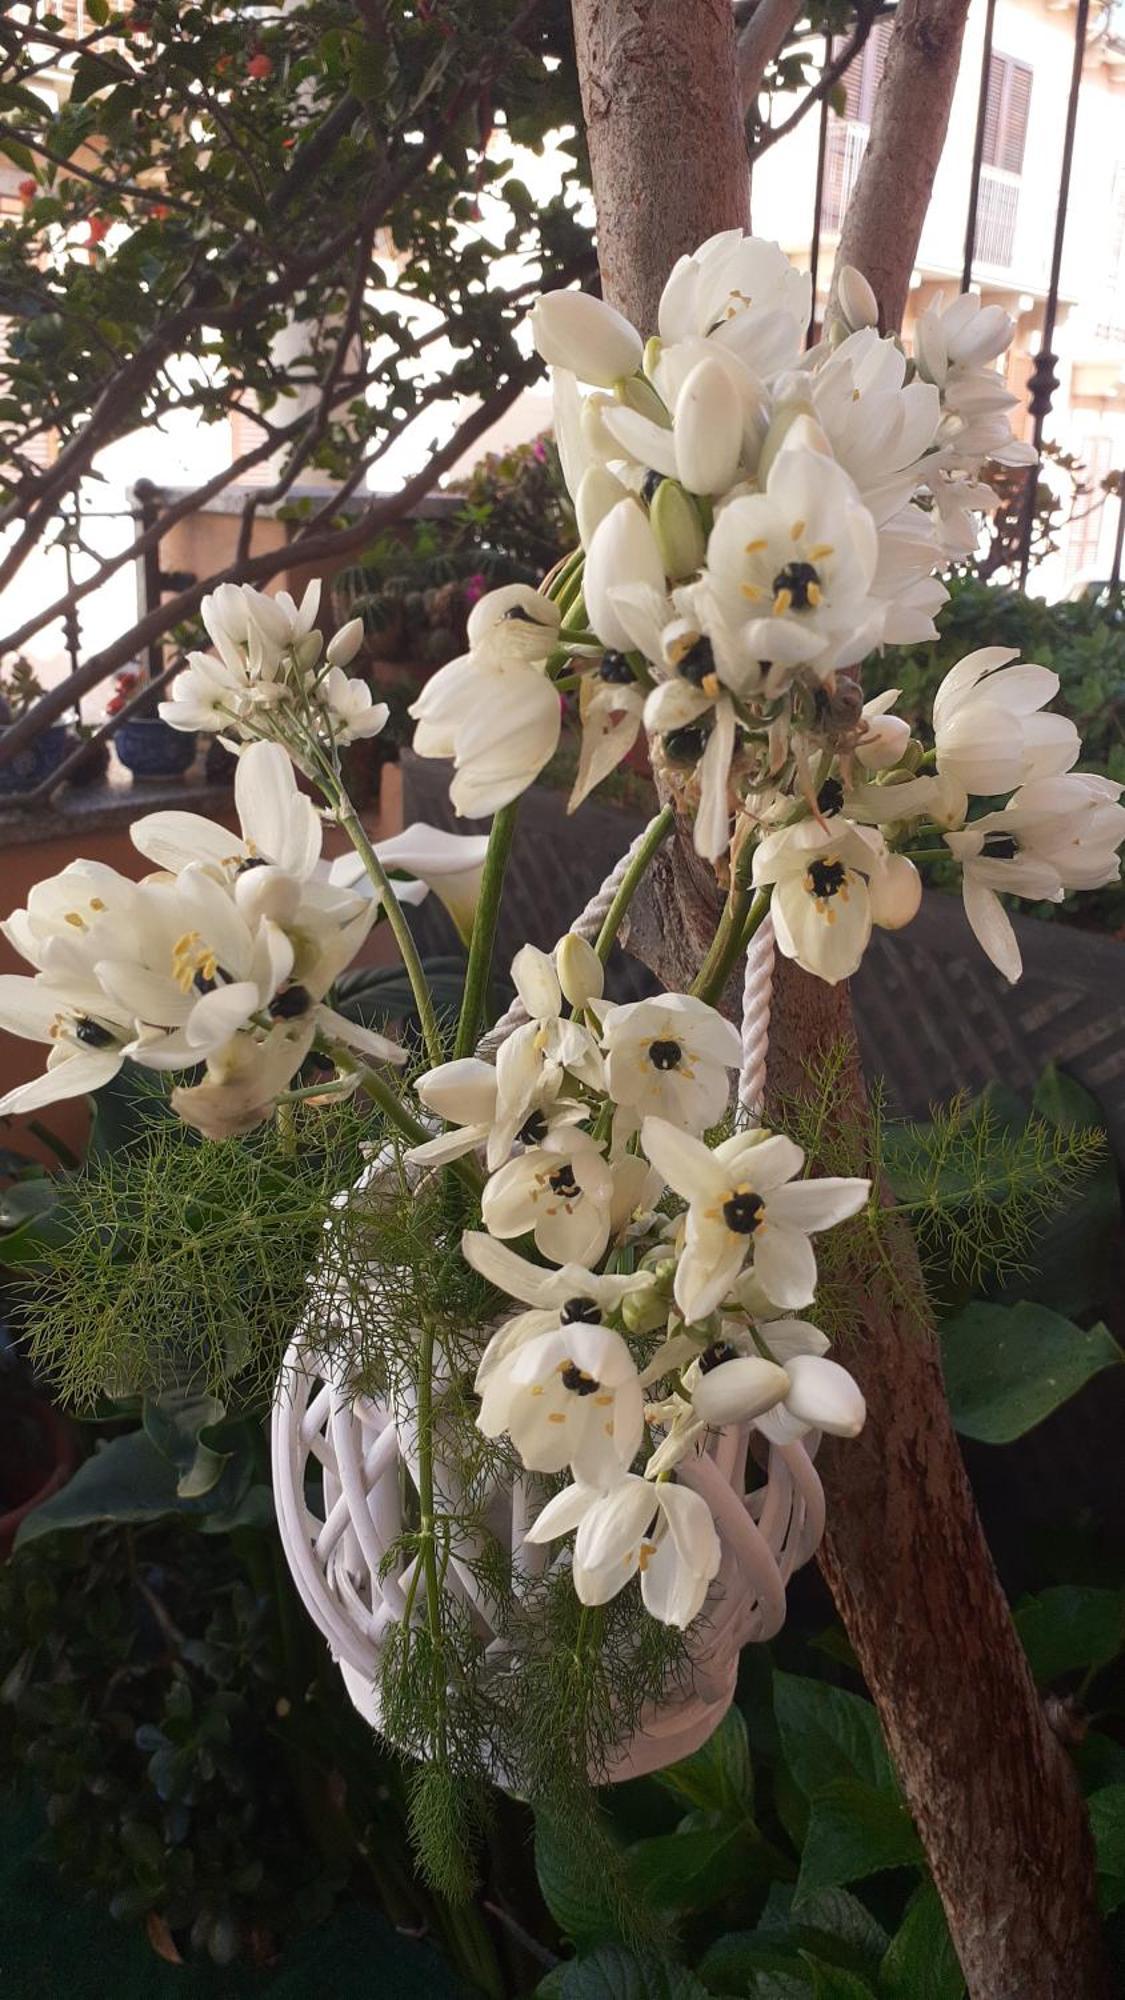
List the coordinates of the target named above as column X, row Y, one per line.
column 43, row 755
column 150, row 748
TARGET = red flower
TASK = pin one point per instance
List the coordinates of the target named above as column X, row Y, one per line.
column 28, row 190
column 97, row 228
column 260, row 65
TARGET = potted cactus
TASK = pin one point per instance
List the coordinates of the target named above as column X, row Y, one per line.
column 19, row 691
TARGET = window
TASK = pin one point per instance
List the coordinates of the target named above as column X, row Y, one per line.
column 1004, row 140
column 1086, row 528
column 1110, row 323
column 847, row 131
column 1005, row 115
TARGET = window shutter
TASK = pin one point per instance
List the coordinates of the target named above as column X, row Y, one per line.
column 1013, row 137
column 852, row 81
column 996, row 71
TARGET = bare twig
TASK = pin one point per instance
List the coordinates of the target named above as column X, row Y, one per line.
column 867, row 12
column 761, row 41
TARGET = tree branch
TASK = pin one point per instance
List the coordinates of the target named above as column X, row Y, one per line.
column 761, row 41
column 768, row 135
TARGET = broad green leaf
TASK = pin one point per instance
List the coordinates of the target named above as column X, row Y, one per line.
column 836, row 1925
column 755, row 1964
column 921, row 1963
column 174, row 1422
column 855, row 1831
column 1074, row 1264
column 129, row 1479
column 1107, row 1823
column 25, row 1201
column 699, row 1866
column 717, row 1777
column 833, row 1982
column 1069, row 1627
column 577, row 1899
column 827, row 1734
column 612, row 1973
column 1008, row 1367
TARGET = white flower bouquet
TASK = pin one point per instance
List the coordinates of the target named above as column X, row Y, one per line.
column 628, row 1411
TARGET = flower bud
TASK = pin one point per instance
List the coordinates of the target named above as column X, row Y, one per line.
column 581, row 972
column 575, row 330
column 857, row 303
column 639, row 395
column 885, row 742
column 306, row 651
column 654, row 348
column 622, row 550
column 895, row 892
column 267, row 892
column 644, row 1309
column 598, row 491
column 737, row 1390
column 678, row 530
column 344, row 646
column 514, row 623
column 708, row 429
column 823, row 1394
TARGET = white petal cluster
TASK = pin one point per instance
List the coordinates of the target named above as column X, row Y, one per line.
column 494, row 710
column 660, row 1306
column 222, row 958
column 271, row 676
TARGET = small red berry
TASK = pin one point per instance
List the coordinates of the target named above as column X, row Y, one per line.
column 28, row 190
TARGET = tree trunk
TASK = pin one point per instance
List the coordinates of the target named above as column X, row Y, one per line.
column 892, row 192
column 991, row 1790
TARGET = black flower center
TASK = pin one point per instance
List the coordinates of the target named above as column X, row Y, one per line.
column 564, row 1184
column 290, row 1005
column 714, row 1356
column 826, row 879
column 999, row 847
column 697, row 663
column 92, row 1033
column 533, row 1129
column 742, row 1212
column 519, row 616
column 615, row 669
column 685, row 746
column 651, row 482
column 580, row 1309
column 830, row 798
column 665, row 1055
column 801, row 582
column 203, row 984
column 251, row 861
column 578, row 1382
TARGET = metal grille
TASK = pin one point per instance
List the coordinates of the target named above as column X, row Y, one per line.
column 997, row 210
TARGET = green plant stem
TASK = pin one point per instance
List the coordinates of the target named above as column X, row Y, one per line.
column 484, row 931
column 733, row 930
column 396, row 1113
column 655, row 834
column 427, row 1539
column 928, row 853
column 377, row 875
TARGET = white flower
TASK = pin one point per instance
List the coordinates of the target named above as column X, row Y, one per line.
column 451, row 864
column 735, row 1387
column 622, row 554
column 740, row 1208
column 877, row 423
column 209, row 695
column 821, row 907
column 660, row 1531
column 744, row 295
column 464, row 1094
column 821, row 1396
column 494, row 711
column 279, row 824
column 576, row 331
column 989, row 730
column 795, row 564
column 350, row 706
column 1054, row 834
column 572, row 1293
column 86, row 1033
column 894, row 892
column 562, row 1193
column 670, row 1056
column 531, row 1060
column 702, row 449
column 570, row 1396
column 610, row 707
column 243, row 1082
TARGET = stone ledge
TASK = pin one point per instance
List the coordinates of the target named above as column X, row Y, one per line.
column 112, row 804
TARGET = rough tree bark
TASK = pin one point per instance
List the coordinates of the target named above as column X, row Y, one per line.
column 892, row 193
column 990, row 1788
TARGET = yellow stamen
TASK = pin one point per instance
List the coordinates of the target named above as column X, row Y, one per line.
column 752, row 548
column 644, row 1555
column 782, row 602
column 557, row 1417
column 797, row 530
column 710, row 684
column 752, row 593
column 78, row 921
column 821, row 550
column 814, row 594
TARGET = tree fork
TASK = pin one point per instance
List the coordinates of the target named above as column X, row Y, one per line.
column 991, row 1790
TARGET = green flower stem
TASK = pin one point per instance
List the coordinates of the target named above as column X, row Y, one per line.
column 394, row 1110
column 484, row 931
column 655, row 834
column 928, row 853
column 732, row 930
column 376, row 873
column 427, row 1526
